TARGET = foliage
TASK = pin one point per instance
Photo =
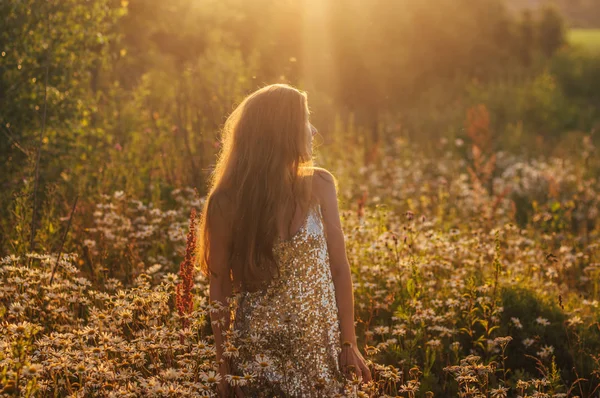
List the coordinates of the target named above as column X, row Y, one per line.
column 51, row 53
column 578, row 14
column 154, row 79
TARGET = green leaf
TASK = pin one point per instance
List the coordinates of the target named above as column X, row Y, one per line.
column 410, row 287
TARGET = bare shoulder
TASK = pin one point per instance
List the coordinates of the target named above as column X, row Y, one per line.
column 325, row 187
column 324, row 184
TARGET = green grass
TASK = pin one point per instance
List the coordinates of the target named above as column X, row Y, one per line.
column 586, row 38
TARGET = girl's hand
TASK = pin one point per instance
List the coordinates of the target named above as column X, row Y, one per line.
column 351, row 361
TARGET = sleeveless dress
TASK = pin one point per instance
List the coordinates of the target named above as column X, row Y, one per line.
column 289, row 334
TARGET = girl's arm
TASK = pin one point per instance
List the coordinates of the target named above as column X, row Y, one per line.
column 220, row 284
column 340, row 267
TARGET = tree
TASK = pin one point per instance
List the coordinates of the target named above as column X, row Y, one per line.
column 551, row 30
column 47, row 47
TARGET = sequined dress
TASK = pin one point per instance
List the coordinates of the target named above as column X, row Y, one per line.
column 294, row 323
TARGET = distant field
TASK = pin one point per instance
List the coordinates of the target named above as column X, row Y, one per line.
column 587, row 38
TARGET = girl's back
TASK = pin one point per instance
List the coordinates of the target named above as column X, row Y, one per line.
column 289, row 334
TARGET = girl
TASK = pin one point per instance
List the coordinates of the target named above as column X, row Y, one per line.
column 270, row 240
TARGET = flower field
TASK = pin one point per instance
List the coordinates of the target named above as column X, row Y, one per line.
column 467, row 283
column 463, row 135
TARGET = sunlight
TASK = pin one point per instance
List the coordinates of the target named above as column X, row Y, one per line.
column 317, row 54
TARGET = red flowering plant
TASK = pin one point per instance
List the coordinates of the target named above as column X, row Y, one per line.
column 184, row 301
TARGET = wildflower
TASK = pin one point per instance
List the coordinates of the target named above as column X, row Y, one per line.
column 202, row 344
column 391, row 373
column 96, row 351
column 516, row 322
column 503, row 341
column 539, row 383
column 170, row 374
column 249, row 377
column 32, row 369
column 542, row 321
column 126, row 315
column 17, row 308
column 154, row 269
column 471, row 391
column 546, row 351
column 230, row 351
column 470, row 360
column 411, row 386
column 527, row 342
column 500, row 392
column 186, row 333
column 356, row 380
column 381, row 329
column 491, row 345
column 399, row 331
column 89, row 243
column 263, row 362
column 26, row 328
column 576, row 320
column 443, row 330
column 434, row 343
column 211, row 377
column 392, row 341
column 138, row 358
column 451, row 302
column 466, row 379
column 371, row 350
column 235, row 380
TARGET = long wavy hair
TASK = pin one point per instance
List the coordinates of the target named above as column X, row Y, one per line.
column 264, row 167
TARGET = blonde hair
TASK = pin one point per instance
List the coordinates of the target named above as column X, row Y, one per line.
column 264, row 166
